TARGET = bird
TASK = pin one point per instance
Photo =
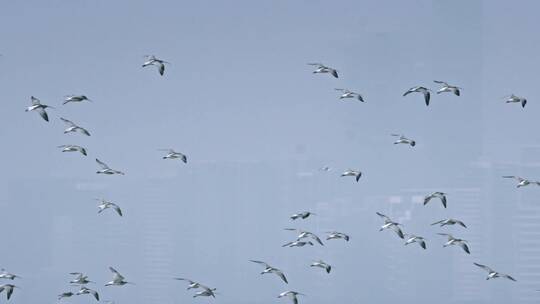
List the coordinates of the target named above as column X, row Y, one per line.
column 75, row 98
column 171, row 154
column 206, row 292
column 8, row 276
column 321, row 68
column 492, row 274
column 322, row 264
column 455, row 241
column 403, row 140
column 522, row 182
column 350, row 94
column 104, row 204
column 390, row 224
column 39, row 107
column 302, row 234
column 152, row 60
column 439, row 195
column 72, row 127
column 118, row 279
column 270, row 269
column 292, row 295
column 73, row 148
column 350, row 172
column 422, row 90
column 447, row 88
column 297, row 243
column 335, row 235
column 302, row 215
column 449, row 221
column 8, row 288
column 325, row 169
column 516, row 99
column 80, row 279
column 106, row 169
column 65, row 295
column 411, row 238
column 192, row 284
column 86, row 290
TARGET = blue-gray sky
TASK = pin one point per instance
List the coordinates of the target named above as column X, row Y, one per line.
column 256, row 124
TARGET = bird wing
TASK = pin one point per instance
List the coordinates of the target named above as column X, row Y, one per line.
column 443, row 200
column 460, row 223
column 117, row 209
column 398, row 231
column 261, row 262
column 383, row 216
column 464, row 246
column 281, row 275
column 316, row 238
column 316, row 64
column 441, row 82
column 161, row 68
column 508, row 277
column 102, row 164
column 484, row 267
column 334, row 73
column 514, row 177
column 188, row 280
column 34, row 100
column 43, row 114
column 9, row 292
column 84, row 131
column 116, row 275
column 439, row 222
column 68, row 122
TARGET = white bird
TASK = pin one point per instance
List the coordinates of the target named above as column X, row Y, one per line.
column 350, row 172
column 192, row 284
column 65, row 295
column 104, row 204
column 152, row 60
column 322, row 264
column 85, row 290
column 8, row 288
column 75, row 98
column 8, row 276
column 302, row 234
column 455, row 241
column 439, row 195
column 350, row 94
column 270, row 269
column 72, row 127
column 106, row 169
column 38, row 107
column 297, row 243
column 80, row 279
column 447, row 88
column 449, row 221
column 291, row 295
column 403, row 140
column 321, row 68
column 206, row 292
column 118, row 279
column 422, row 90
column 334, row 235
column 73, row 148
column 171, row 154
column 411, row 238
column 390, row 224
column 302, row 215
column 522, row 182
column 516, row 99
column 492, row 274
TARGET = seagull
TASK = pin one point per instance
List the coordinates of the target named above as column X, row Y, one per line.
column 523, row 181
column 106, row 205
column 439, row 195
column 492, row 274
column 8, row 288
column 171, row 154
column 80, row 279
column 72, row 127
column 411, row 238
column 152, row 60
column 206, row 292
column 389, row 224
column 106, row 169
column 322, row 265
column 516, row 99
column 297, row 243
column 403, row 140
column 449, row 221
column 292, row 295
column 303, row 215
column 420, row 90
column 334, row 235
column 321, row 68
column 192, row 284
column 85, row 290
column 75, row 98
column 455, row 241
column 65, row 295
column 447, row 88
column 350, row 172
column 306, row 234
column 350, row 94
column 39, row 107
column 8, row 276
column 270, row 269
column 118, row 279
column 73, row 148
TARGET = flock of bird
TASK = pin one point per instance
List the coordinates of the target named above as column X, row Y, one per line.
column 302, row 237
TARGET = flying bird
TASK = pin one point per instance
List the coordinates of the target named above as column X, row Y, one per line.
column 403, row 140
column 439, row 195
column 302, row 215
column 80, row 279
column 449, row 221
column 8, row 288
column 411, row 238
column 270, row 269
column 522, row 182
column 447, row 88
column 206, row 292
column 350, row 172
column 103, row 204
column 106, row 169
column 72, row 127
column 192, row 284
column 322, row 264
column 302, row 234
column 8, row 276
column 516, row 99
column 455, row 241
column 325, row 169
column 118, row 279
column 297, row 243
column 321, row 68
column 39, row 107
column 75, row 98
column 291, row 295
column 390, row 224
column 73, row 148
column 422, row 90
column 171, row 154
column 63, row 295
column 86, row 290
column 335, row 235
column 492, row 274
column 152, row 60
column 350, row 94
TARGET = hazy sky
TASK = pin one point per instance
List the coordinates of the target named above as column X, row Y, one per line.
column 256, row 124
